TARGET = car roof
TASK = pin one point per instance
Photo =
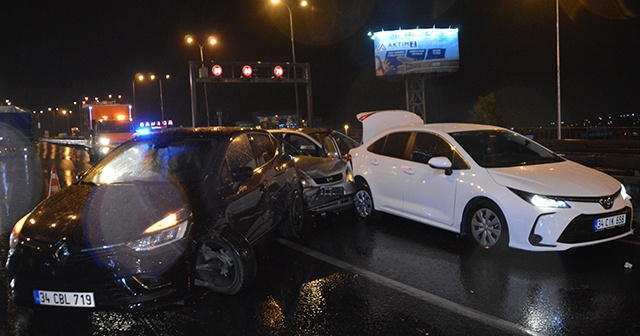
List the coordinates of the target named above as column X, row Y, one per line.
column 385, row 121
column 440, row 128
column 198, row 132
column 306, row 130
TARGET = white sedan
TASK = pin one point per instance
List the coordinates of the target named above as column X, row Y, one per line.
column 491, row 184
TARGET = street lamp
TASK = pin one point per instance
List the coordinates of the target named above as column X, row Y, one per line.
column 303, row 3
column 141, row 77
column 211, row 40
column 346, row 129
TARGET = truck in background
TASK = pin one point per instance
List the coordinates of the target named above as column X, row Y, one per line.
column 106, row 125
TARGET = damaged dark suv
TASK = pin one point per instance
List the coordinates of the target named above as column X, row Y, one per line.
column 162, row 214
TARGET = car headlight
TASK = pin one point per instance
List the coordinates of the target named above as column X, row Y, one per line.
column 542, row 201
column 305, row 182
column 103, row 141
column 623, row 193
column 15, row 232
column 349, row 176
column 171, row 228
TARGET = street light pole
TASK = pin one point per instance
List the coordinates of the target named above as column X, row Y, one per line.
column 133, row 107
column 161, row 100
column 293, row 55
column 558, row 68
column 211, row 40
column 53, row 113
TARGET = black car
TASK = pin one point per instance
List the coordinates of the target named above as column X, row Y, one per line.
column 161, row 214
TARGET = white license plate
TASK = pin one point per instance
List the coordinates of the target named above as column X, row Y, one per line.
column 609, row 222
column 331, row 191
column 64, row 299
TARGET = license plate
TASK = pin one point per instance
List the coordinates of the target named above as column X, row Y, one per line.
column 609, row 222
column 64, row 299
column 331, row 191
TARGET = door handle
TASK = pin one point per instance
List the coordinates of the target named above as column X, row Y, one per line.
column 375, row 162
column 407, row 170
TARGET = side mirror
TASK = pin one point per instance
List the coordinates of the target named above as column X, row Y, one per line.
column 241, row 174
column 333, row 155
column 441, row 162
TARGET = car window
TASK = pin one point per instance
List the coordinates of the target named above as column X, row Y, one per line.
column 393, row 145
column 305, row 145
column 240, row 153
column 264, row 148
column 328, row 145
column 427, row 146
column 344, row 142
column 501, row 148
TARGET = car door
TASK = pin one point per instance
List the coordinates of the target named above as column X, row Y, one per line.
column 429, row 193
column 275, row 182
column 248, row 202
column 304, row 144
column 383, row 170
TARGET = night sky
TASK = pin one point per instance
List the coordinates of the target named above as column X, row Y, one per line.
column 57, row 52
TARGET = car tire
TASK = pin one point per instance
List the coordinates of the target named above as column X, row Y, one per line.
column 487, row 227
column 292, row 226
column 225, row 263
column 363, row 202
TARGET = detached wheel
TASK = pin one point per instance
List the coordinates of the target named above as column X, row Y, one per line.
column 225, row 263
column 363, row 202
column 487, row 228
column 292, row 226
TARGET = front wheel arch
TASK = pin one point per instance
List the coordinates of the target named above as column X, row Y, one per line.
column 224, row 262
column 485, row 225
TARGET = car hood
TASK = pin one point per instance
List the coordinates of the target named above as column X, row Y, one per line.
column 96, row 216
column 565, row 178
column 320, row 167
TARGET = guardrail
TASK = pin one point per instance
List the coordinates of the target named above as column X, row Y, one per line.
column 583, row 133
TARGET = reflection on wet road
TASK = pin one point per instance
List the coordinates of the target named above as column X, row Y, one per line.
column 25, row 176
column 345, row 277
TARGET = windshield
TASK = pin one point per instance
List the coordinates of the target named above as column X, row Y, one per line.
column 501, row 148
column 138, row 161
column 116, row 127
column 344, row 142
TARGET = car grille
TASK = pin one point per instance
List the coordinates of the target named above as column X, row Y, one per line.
column 83, row 271
column 328, row 179
column 581, row 230
column 78, row 263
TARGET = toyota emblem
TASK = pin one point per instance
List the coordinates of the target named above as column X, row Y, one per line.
column 606, row 202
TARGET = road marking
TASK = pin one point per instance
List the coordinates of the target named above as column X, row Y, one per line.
column 433, row 299
column 631, row 242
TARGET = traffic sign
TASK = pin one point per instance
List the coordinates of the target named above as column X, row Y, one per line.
column 247, row 71
column 278, row 71
column 216, row 70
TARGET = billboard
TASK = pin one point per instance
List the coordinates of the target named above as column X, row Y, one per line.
column 416, row 51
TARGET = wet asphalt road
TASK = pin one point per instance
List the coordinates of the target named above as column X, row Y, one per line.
column 345, row 277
